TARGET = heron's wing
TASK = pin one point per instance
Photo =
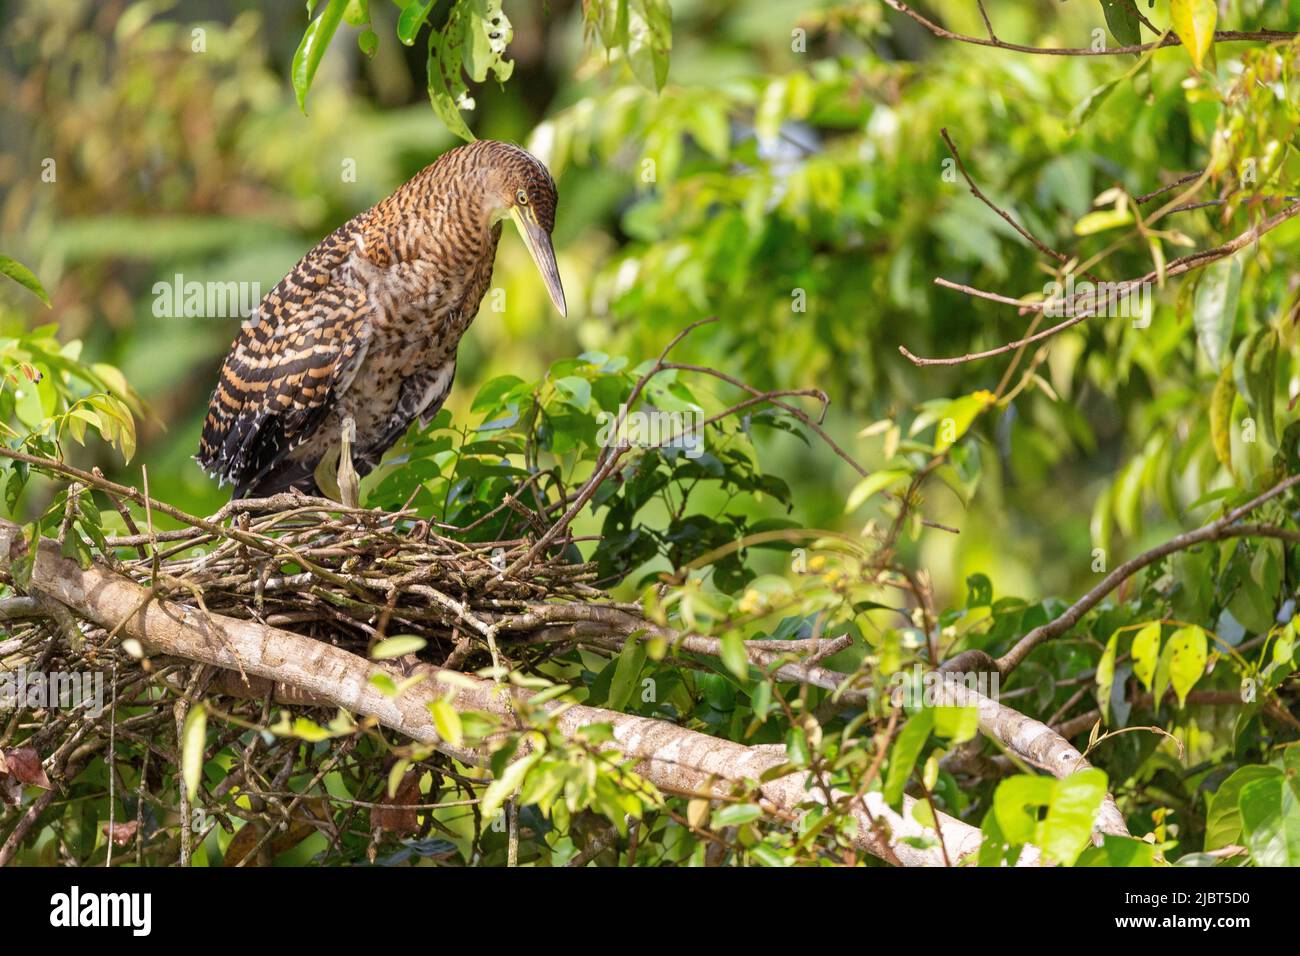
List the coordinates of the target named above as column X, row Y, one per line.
column 281, row 378
column 421, row 396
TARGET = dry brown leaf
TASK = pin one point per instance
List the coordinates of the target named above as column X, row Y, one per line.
column 123, row 833
column 24, row 764
column 402, row 818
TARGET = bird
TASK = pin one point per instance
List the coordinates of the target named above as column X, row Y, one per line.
column 366, row 326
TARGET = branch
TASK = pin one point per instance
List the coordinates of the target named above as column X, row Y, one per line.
column 1038, row 744
column 1225, row 527
column 671, row 757
column 1006, row 216
column 1220, row 36
column 1176, row 267
column 1029, row 739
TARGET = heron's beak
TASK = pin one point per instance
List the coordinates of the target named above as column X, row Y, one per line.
column 543, row 253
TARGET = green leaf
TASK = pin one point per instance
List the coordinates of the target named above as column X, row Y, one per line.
column 1270, row 819
column 473, row 40
column 902, row 757
column 1091, row 103
column 1118, row 851
column 1214, row 308
column 1068, row 826
column 393, row 647
column 395, row 774
column 956, row 418
column 412, row 20
column 874, row 482
column 649, row 41
column 626, row 671
column 500, row 789
column 1016, row 802
column 315, row 41
column 306, row 729
column 357, row 13
column 387, row 686
column 1223, row 816
column 576, row 391
column 1164, row 673
column 488, row 32
column 1193, row 21
column 957, row 724
column 735, row 814
column 1189, row 653
column 194, row 736
column 733, row 655
column 1122, row 18
column 24, row 277
column 1255, row 371
column 768, row 855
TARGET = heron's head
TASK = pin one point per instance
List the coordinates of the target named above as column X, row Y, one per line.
column 520, row 188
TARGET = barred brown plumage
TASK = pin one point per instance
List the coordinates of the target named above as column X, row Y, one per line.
column 366, row 325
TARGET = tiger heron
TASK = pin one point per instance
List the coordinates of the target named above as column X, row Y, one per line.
column 366, row 326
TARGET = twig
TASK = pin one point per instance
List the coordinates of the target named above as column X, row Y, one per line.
column 1220, row 36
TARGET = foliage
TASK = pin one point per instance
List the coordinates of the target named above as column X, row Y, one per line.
column 789, row 177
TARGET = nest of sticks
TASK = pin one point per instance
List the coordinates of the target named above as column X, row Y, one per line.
column 354, row 577
column 350, row 577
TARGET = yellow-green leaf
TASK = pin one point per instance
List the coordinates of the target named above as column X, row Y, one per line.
column 1193, row 21
column 397, row 647
column 194, row 735
column 395, row 774
column 874, row 482
column 1188, row 656
column 1105, row 678
column 447, row 722
column 1146, row 650
column 956, row 418
column 1225, row 390
column 697, row 811
column 956, row 724
column 499, row 790
column 1101, row 220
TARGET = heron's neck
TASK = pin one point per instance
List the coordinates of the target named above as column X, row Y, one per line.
column 438, row 216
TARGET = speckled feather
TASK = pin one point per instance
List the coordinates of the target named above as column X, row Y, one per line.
column 367, row 324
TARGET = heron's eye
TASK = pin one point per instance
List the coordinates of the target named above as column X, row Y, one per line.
column 521, row 197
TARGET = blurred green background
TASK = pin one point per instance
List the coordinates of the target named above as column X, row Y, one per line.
column 789, row 179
